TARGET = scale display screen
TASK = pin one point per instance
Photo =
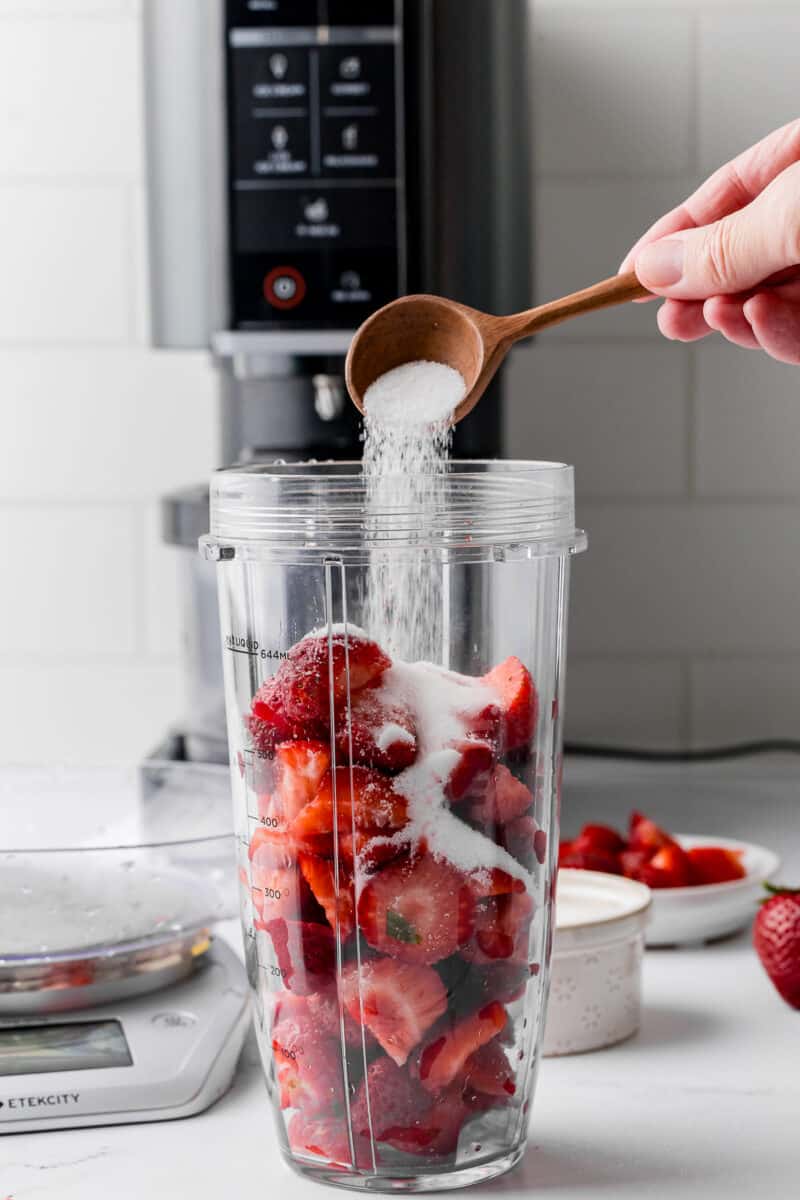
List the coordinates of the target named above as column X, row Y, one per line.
column 78, row 1046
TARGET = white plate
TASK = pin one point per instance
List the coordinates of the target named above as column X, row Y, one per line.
column 711, row 910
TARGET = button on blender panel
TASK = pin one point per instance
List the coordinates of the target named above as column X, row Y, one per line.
column 315, row 218
column 274, row 146
column 270, row 77
column 335, row 287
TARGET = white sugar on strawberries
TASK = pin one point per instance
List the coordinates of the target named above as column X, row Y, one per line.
column 446, row 707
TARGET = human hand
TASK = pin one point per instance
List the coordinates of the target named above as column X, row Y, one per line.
column 727, row 258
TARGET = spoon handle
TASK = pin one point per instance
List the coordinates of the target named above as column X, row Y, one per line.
column 619, row 289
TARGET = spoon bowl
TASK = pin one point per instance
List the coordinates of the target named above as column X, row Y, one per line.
column 411, row 329
column 434, row 329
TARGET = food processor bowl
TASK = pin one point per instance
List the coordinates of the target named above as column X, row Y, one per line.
column 394, row 675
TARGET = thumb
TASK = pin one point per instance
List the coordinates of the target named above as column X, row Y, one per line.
column 730, row 255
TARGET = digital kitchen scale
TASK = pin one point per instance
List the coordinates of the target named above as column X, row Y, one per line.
column 167, row 1054
column 115, row 1003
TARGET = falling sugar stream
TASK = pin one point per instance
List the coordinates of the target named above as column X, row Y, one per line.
column 407, row 436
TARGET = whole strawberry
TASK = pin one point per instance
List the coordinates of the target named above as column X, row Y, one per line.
column 776, row 937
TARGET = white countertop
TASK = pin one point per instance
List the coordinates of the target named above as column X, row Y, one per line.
column 703, row 1103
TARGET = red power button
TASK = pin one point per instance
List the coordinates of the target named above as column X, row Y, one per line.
column 284, row 287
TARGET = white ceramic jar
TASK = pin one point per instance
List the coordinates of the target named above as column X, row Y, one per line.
column 596, row 970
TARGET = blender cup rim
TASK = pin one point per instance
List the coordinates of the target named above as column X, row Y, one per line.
column 471, row 506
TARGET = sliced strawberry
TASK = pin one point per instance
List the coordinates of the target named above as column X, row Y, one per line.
column 320, row 876
column 387, row 1098
column 397, row 1001
column 539, row 844
column 314, row 665
column 307, row 1065
column 632, row 861
column 444, row 1056
column 306, row 954
column 417, row 909
column 518, row 700
column 504, row 799
column 644, row 834
column 489, row 1072
column 326, row 1137
column 669, row 867
column 268, row 721
column 590, row 860
column 493, row 882
column 478, row 985
column 301, row 767
column 363, row 797
column 715, row 864
column 383, row 735
column 471, row 771
column 366, row 851
column 599, row 838
column 501, row 929
column 434, row 1133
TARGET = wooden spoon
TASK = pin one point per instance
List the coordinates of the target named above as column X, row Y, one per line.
column 430, row 327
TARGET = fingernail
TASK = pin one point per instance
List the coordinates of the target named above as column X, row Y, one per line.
column 660, row 264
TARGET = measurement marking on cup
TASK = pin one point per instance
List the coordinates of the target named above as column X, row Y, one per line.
column 252, row 648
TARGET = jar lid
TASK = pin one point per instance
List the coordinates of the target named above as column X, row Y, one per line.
column 593, row 909
column 470, row 506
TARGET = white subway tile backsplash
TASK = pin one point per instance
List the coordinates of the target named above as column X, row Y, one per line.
column 65, row 262
column 70, row 583
column 612, row 91
column 745, row 699
column 163, row 632
column 687, row 579
column 584, row 228
column 746, row 78
column 105, row 424
column 85, row 715
column 617, row 413
column 747, row 433
column 71, row 88
column 616, row 702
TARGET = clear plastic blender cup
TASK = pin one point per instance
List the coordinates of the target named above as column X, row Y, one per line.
column 394, row 678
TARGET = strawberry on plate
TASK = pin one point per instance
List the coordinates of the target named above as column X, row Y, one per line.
column 504, row 799
column 306, row 954
column 776, row 937
column 588, row 860
column 417, row 909
column 397, row 1002
column 519, row 704
column 714, row 864
column 381, row 734
column 363, row 798
column 599, row 838
column 669, row 867
column 445, row 1053
column 644, row 834
column 631, row 862
column 320, row 876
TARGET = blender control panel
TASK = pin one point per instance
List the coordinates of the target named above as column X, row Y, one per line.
column 315, row 161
